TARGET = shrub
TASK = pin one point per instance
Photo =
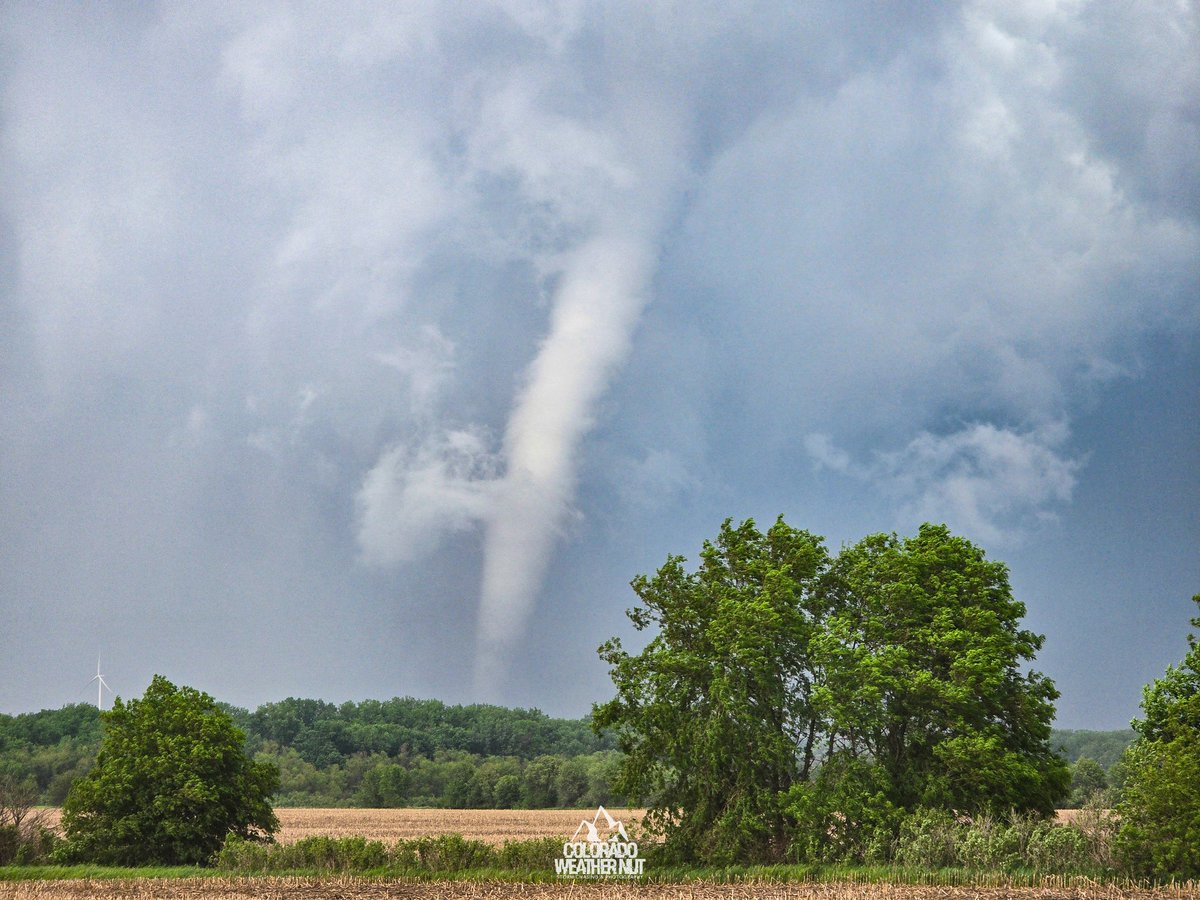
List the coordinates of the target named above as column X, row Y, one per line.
column 843, row 815
column 26, row 844
column 10, row 840
column 452, row 853
column 929, row 839
column 990, row 845
column 1059, row 849
column 1159, row 834
column 533, row 855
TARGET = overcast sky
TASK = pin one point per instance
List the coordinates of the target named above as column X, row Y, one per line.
column 370, row 349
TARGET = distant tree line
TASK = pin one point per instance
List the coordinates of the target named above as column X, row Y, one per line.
column 407, row 752
column 399, row 752
column 1103, row 747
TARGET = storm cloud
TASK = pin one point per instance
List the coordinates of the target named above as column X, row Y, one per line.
column 372, row 350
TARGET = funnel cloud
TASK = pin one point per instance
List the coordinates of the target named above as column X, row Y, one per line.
column 373, row 350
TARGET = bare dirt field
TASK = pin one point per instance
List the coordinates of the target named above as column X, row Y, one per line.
column 364, row 888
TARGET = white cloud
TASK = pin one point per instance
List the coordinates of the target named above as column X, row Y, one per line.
column 991, row 483
column 399, row 255
column 414, row 497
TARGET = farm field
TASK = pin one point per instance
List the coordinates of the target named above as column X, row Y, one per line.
column 493, row 826
column 366, row 888
column 497, row 826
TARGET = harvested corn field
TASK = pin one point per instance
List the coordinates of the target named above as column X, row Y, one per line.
column 366, row 888
column 493, row 826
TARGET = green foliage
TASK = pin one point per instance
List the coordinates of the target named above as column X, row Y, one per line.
column 426, row 753
column 843, row 814
column 51, row 748
column 925, row 673
column 434, row 855
column 708, row 714
column 929, row 839
column 1105, row 747
column 170, row 781
column 937, row 839
column 24, row 838
column 325, row 734
column 1088, row 781
column 900, row 663
column 1160, row 798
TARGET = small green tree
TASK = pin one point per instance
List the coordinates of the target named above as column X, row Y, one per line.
column 1160, row 799
column 1088, row 780
column 172, row 779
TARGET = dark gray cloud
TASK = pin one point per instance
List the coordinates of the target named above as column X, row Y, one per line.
column 372, row 350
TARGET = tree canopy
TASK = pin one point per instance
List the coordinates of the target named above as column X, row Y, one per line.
column 787, row 695
column 171, row 780
column 1160, row 805
column 712, row 712
column 923, row 672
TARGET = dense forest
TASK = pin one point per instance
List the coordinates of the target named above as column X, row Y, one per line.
column 399, row 752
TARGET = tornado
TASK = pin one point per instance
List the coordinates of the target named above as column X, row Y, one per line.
column 601, row 295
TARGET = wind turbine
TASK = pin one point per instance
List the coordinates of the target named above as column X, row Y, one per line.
column 101, row 684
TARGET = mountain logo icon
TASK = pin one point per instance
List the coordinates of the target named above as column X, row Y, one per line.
column 601, row 829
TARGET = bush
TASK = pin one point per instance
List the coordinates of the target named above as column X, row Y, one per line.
column 26, row 844
column 989, row 845
column 1059, row 849
column 1160, row 803
column 1159, row 834
column 439, row 855
column 452, row 853
column 935, row 839
column 10, row 840
column 929, row 839
column 533, row 855
column 843, row 815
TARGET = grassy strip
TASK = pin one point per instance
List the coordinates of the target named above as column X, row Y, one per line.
column 88, row 870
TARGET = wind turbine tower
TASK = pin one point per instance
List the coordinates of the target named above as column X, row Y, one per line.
column 101, row 684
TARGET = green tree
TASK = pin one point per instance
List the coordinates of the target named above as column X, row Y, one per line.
column 715, row 714
column 1087, row 780
column 788, row 701
column 539, row 780
column 924, row 671
column 172, row 779
column 1160, row 799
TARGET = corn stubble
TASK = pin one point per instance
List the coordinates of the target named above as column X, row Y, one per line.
column 352, row 888
column 492, row 826
column 497, row 826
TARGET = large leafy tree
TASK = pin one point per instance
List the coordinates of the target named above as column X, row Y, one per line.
column 1160, row 805
column 788, row 700
column 715, row 714
column 924, row 664
column 172, row 779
